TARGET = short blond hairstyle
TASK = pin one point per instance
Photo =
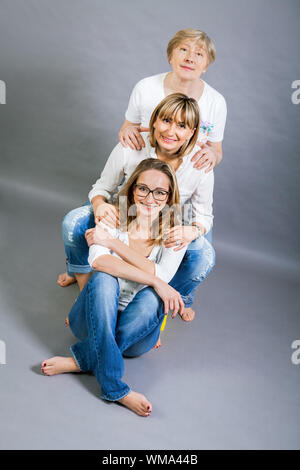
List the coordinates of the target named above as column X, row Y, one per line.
column 177, row 106
column 200, row 36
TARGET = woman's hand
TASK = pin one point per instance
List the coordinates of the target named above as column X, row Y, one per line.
column 205, row 157
column 99, row 236
column 171, row 298
column 131, row 136
column 180, row 236
column 108, row 214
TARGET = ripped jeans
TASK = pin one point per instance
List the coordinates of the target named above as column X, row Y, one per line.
column 197, row 262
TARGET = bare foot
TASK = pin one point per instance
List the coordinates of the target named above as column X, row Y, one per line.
column 65, row 280
column 188, row 314
column 158, row 344
column 59, row 365
column 67, row 323
column 137, row 403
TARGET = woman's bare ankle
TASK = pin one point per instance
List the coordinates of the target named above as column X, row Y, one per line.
column 137, row 403
column 65, row 280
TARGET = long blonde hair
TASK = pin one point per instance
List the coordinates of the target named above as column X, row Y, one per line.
column 171, row 213
column 179, row 107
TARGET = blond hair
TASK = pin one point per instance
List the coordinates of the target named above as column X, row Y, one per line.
column 200, row 36
column 179, row 107
column 171, row 213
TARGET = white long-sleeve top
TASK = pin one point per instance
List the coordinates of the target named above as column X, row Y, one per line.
column 194, row 185
column 166, row 262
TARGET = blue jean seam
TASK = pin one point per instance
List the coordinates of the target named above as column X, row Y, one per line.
column 78, row 362
column 143, row 333
column 93, row 326
column 106, row 397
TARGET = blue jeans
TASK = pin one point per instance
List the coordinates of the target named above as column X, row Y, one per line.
column 197, row 262
column 106, row 334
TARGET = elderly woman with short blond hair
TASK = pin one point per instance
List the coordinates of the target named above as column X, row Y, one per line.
column 190, row 52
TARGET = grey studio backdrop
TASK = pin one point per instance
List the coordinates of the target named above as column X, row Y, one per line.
column 69, row 67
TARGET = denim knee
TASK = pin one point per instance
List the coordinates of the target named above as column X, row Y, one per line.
column 104, row 285
column 145, row 344
column 207, row 259
column 141, row 316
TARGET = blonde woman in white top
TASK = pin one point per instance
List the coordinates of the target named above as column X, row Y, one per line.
column 190, row 52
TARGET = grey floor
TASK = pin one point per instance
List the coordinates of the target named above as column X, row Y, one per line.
column 225, row 381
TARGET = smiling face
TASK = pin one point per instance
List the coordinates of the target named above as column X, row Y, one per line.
column 189, row 60
column 171, row 133
column 148, row 206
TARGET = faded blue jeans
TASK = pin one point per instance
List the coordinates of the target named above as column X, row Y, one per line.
column 106, row 334
column 197, row 262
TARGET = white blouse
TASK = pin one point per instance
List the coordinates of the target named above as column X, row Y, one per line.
column 194, row 185
column 166, row 261
column 149, row 92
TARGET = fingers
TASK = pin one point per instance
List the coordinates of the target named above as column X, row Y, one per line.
column 177, row 306
column 144, row 129
column 210, row 167
column 182, row 245
column 122, row 140
column 110, row 221
column 207, row 159
column 201, row 163
column 89, row 234
column 110, row 217
column 174, row 244
column 125, row 139
column 196, row 156
column 106, row 222
column 140, row 140
column 130, row 143
column 175, row 235
column 133, row 138
column 177, row 230
column 134, row 141
column 181, row 303
column 90, row 239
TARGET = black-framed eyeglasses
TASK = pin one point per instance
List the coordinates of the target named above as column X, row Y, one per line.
column 158, row 194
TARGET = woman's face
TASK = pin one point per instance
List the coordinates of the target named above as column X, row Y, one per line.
column 189, row 60
column 170, row 134
column 150, row 204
